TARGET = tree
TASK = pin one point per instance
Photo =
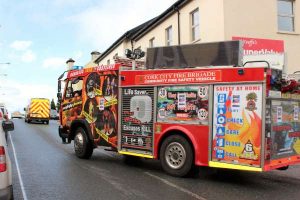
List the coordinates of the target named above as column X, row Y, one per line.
column 53, row 105
column 57, row 105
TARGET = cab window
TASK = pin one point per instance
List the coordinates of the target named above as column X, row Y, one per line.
column 74, row 88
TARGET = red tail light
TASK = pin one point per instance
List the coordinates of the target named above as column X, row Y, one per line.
column 6, row 117
column 2, row 159
column 268, row 149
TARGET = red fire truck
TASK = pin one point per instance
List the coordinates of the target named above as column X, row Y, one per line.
column 216, row 116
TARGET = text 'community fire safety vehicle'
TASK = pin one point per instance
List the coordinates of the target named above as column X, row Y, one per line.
column 211, row 116
column 38, row 109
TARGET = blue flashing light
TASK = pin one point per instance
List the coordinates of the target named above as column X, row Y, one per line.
column 77, row 67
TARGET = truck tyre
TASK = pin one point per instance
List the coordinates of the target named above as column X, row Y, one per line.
column 176, row 156
column 82, row 145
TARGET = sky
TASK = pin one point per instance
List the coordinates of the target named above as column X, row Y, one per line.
column 37, row 37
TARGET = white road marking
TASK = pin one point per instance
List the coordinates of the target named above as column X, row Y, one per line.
column 18, row 169
column 196, row 196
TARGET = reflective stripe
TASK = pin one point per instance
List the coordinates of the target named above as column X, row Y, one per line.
column 234, row 166
column 39, row 109
column 136, row 154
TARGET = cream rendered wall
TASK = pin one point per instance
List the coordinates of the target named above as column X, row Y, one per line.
column 211, row 21
column 159, row 33
column 211, row 25
column 258, row 19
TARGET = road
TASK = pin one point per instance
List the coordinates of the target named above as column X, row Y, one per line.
column 49, row 169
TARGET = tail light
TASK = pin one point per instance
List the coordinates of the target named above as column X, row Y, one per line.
column 2, row 159
column 6, row 117
column 268, row 149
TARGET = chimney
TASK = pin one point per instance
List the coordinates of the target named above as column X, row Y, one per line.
column 95, row 55
column 70, row 63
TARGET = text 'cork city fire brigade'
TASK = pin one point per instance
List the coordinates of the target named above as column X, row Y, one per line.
column 192, row 105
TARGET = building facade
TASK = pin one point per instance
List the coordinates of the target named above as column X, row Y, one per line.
column 200, row 21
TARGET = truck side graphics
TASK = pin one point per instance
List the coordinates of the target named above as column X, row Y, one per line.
column 97, row 104
column 137, row 120
column 237, row 124
column 285, row 134
column 183, row 103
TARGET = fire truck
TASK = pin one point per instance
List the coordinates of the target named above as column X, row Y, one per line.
column 222, row 116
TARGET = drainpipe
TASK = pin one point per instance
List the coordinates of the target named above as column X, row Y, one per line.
column 178, row 22
column 133, row 60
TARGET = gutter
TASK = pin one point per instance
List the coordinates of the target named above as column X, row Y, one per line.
column 171, row 10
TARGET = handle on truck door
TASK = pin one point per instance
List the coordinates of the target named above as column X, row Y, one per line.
column 258, row 61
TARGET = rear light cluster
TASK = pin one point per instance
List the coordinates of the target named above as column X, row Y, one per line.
column 5, row 117
column 2, row 159
column 268, row 148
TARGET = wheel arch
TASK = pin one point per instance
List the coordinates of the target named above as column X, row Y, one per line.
column 182, row 132
column 80, row 123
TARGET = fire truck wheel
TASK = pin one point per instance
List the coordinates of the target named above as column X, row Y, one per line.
column 82, row 145
column 176, row 156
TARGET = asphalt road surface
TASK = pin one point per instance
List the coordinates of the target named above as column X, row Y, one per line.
column 44, row 168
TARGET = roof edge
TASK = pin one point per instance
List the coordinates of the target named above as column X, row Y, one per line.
column 160, row 18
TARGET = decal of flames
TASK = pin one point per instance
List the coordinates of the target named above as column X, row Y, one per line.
column 249, row 131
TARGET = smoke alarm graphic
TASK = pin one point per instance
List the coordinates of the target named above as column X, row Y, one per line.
column 141, row 107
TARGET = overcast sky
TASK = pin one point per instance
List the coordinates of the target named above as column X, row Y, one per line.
column 38, row 36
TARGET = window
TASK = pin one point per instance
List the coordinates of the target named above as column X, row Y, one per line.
column 116, row 56
column 74, row 88
column 286, row 15
column 151, row 42
column 108, row 62
column 169, row 36
column 195, row 25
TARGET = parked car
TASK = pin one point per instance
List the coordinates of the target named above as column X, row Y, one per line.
column 6, row 188
column 17, row 114
column 54, row 114
column 4, row 110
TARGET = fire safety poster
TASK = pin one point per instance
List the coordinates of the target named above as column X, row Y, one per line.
column 137, row 120
column 183, row 104
column 237, row 124
column 285, row 129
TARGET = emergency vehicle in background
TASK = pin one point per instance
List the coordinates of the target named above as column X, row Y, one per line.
column 186, row 110
column 38, row 110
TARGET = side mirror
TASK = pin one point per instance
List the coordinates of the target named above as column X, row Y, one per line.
column 8, row 126
column 59, row 86
column 59, row 96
